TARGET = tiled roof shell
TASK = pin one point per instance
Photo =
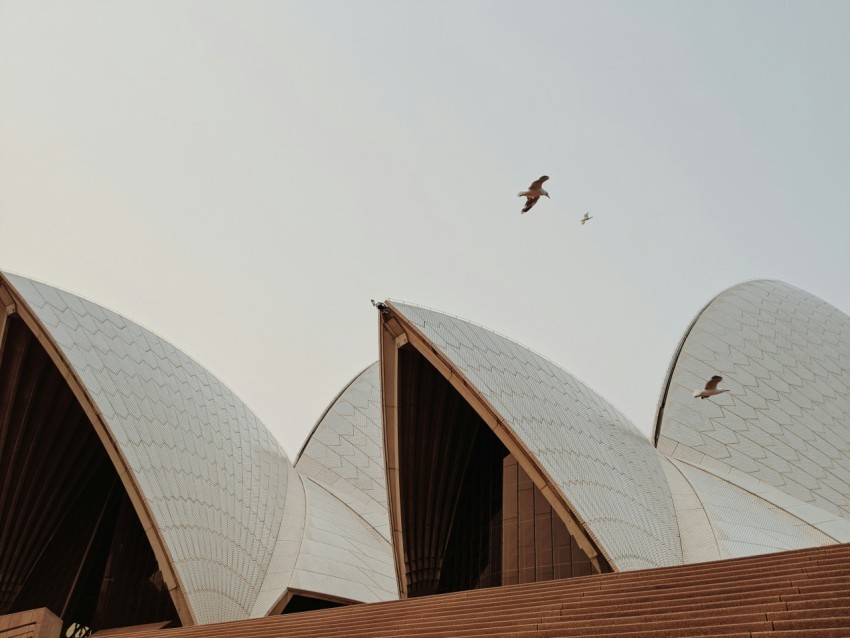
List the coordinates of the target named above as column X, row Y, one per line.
column 783, row 429
column 608, row 471
column 764, row 467
column 345, row 451
column 213, row 477
column 239, row 524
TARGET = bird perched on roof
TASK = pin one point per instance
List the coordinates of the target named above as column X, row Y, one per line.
column 587, row 217
column 380, row 305
column 534, row 192
column 711, row 388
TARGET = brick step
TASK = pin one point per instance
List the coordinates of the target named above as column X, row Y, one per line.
column 765, row 577
column 779, row 587
column 677, row 573
column 347, row 626
column 840, row 600
column 839, row 629
column 691, row 572
column 566, row 593
column 397, row 610
column 464, row 626
column 741, row 629
column 766, row 561
column 267, row 628
column 294, row 623
column 719, row 599
column 737, row 620
column 820, row 612
column 611, row 585
column 798, row 594
column 568, row 586
column 765, row 603
column 395, row 615
column 813, row 623
column 761, row 603
column 833, row 632
column 841, row 552
column 572, row 626
column 586, row 606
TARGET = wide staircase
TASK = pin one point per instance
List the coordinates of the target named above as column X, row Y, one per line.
column 797, row 594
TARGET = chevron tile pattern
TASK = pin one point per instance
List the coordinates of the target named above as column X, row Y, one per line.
column 214, row 478
column 785, row 357
column 345, row 451
column 608, row 471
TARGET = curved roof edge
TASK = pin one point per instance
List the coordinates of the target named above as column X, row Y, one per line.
column 668, row 377
column 828, row 523
column 199, row 466
column 743, row 522
column 784, row 354
column 699, row 542
column 342, row 556
column 328, row 409
column 290, row 538
column 520, row 344
column 128, row 479
column 519, row 418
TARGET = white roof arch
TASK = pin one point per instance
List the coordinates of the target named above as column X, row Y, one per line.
column 204, row 469
column 345, row 450
column 607, row 471
column 782, row 429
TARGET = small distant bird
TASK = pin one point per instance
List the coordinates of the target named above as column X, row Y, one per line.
column 710, row 388
column 380, row 305
column 587, row 217
column 534, row 192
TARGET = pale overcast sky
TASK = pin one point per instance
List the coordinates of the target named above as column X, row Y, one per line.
column 242, row 177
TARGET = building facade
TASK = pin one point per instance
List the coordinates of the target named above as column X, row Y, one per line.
column 135, row 487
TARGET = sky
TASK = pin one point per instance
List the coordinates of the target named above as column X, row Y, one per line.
column 243, row 177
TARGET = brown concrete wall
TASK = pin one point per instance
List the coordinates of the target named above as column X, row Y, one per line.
column 36, row 623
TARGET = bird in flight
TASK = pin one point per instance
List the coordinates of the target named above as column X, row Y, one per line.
column 587, row 217
column 710, row 388
column 534, row 192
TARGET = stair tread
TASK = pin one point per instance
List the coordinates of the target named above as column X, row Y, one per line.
column 797, row 594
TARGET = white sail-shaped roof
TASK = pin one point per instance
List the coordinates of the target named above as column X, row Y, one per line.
column 718, row 519
column 237, row 528
column 608, row 472
column 342, row 556
column 211, row 476
column 782, row 429
column 345, row 451
column 345, row 551
column 326, row 550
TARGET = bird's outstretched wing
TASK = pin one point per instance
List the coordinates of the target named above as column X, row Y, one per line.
column 529, row 202
column 712, row 383
column 538, row 183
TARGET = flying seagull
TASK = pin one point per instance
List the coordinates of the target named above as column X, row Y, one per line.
column 534, row 192
column 587, row 217
column 710, row 388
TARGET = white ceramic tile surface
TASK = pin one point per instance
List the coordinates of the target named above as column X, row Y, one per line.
column 345, row 451
column 607, row 470
column 215, row 479
column 785, row 357
column 744, row 524
column 341, row 554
